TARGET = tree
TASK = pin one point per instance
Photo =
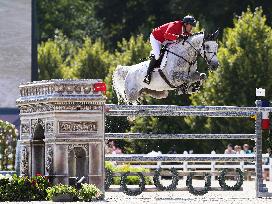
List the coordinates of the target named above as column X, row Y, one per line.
column 73, row 17
column 122, row 19
column 49, row 60
column 92, row 61
column 55, row 57
column 215, row 14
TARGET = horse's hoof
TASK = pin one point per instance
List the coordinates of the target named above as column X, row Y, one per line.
column 203, row 76
column 147, row 80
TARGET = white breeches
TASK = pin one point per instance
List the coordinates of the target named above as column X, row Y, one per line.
column 156, row 46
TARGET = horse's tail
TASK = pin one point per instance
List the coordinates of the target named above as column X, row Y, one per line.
column 118, row 82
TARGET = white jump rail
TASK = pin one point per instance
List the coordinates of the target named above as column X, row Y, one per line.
column 172, row 110
column 177, row 136
column 178, row 157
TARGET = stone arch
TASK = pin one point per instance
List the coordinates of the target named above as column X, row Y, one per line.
column 78, row 163
column 38, row 150
column 38, row 132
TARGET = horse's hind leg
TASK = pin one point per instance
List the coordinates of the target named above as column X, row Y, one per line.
column 197, row 76
column 132, row 95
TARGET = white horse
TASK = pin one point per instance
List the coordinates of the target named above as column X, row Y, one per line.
column 178, row 67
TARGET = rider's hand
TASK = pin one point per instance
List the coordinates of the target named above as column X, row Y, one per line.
column 183, row 37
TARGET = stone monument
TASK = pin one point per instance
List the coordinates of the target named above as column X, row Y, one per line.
column 62, row 130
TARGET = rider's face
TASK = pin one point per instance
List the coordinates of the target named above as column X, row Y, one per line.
column 188, row 27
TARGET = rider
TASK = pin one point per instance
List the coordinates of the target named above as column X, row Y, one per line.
column 170, row 32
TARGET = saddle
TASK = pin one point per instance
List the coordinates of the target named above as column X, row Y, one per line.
column 162, row 52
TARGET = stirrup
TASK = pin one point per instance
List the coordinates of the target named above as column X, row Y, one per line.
column 146, row 80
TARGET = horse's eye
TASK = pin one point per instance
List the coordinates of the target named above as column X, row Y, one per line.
column 207, row 47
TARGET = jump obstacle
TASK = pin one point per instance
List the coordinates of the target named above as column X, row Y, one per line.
column 206, row 111
column 72, row 112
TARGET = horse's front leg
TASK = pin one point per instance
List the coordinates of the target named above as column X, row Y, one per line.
column 197, row 76
column 197, row 81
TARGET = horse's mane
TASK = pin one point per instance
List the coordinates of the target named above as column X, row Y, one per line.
column 195, row 34
column 198, row 33
column 190, row 37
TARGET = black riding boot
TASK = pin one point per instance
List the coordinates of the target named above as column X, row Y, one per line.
column 150, row 69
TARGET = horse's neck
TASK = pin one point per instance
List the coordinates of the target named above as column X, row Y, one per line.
column 187, row 51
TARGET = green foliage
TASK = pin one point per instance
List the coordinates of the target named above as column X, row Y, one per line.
column 60, row 189
column 131, row 51
column 64, row 58
column 131, row 180
column 92, row 60
column 89, row 192
column 42, row 183
column 8, row 135
column 49, row 60
column 55, row 57
column 74, row 18
column 123, row 19
column 4, row 180
column 14, row 188
column 244, row 53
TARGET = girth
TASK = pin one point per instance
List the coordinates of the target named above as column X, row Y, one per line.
column 165, row 79
column 183, row 86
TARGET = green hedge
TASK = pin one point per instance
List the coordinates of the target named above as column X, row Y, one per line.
column 8, row 135
column 14, row 188
column 87, row 192
column 131, row 180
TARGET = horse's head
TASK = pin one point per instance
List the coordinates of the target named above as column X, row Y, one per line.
column 206, row 45
column 209, row 48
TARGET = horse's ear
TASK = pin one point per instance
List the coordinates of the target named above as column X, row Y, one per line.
column 215, row 34
column 207, row 36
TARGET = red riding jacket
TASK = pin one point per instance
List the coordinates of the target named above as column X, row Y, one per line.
column 169, row 31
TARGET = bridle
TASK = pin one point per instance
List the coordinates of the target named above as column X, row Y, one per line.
column 208, row 61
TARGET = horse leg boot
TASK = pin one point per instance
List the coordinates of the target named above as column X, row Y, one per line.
column 150, row 69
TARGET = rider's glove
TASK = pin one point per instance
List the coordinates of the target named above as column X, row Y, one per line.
column 183, row 37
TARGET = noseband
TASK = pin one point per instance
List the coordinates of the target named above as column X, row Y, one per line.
column 208, row 61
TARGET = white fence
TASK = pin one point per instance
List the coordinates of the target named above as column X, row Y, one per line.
column 248, row 167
